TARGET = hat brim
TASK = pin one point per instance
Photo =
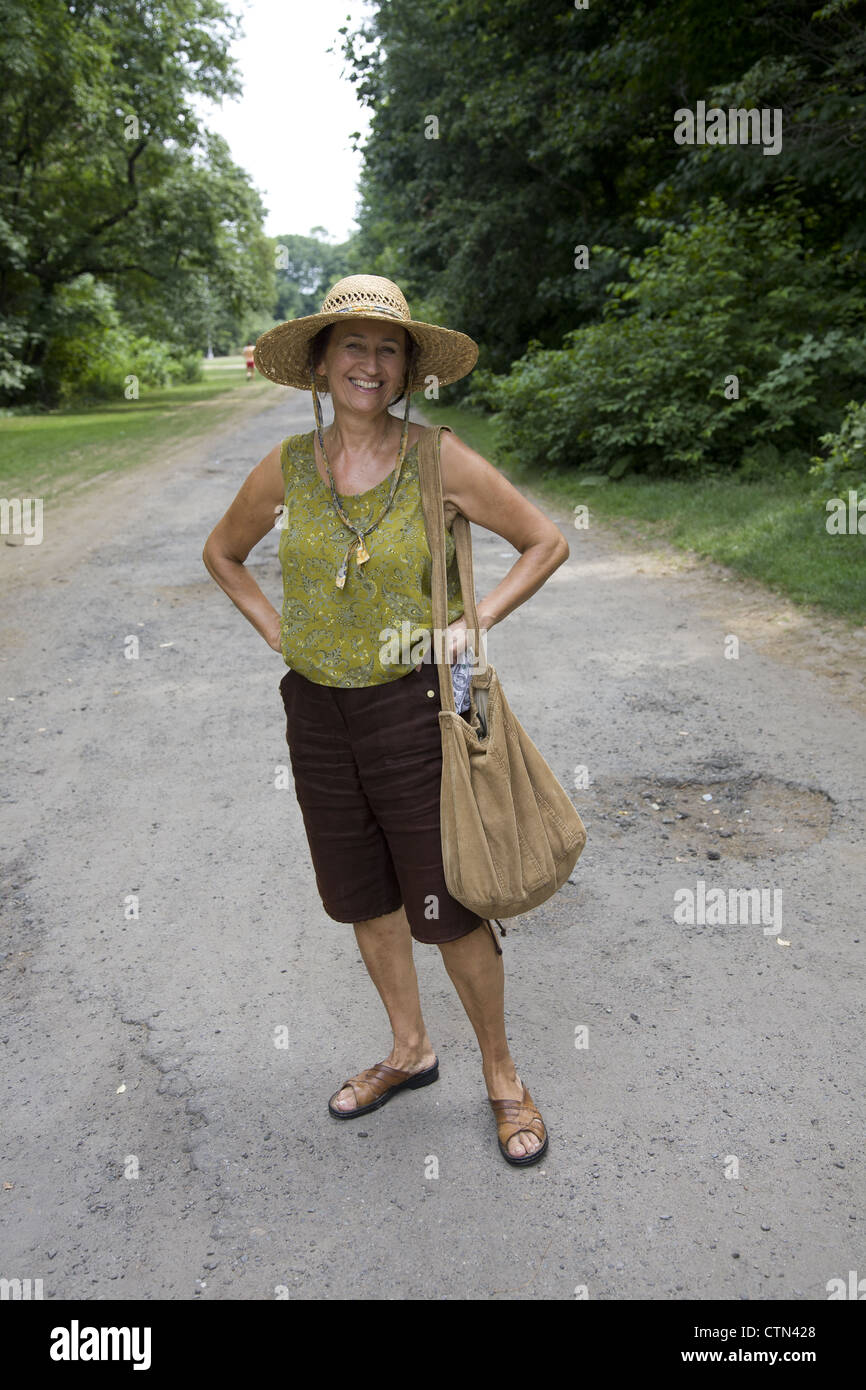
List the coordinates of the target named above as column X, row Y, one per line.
column 444, row 353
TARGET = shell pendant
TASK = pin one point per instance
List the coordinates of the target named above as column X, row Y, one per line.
column 341, row 572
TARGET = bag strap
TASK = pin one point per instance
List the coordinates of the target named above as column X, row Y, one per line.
column 432, row 502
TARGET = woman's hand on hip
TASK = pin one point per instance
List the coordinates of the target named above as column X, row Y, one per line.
column 454, row 645
column 456, row 639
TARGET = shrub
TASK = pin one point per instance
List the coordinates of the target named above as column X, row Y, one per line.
column 843, row 464
column 723, row 294
column 91, row 351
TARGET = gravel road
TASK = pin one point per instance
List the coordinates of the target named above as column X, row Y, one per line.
column 177, row 1007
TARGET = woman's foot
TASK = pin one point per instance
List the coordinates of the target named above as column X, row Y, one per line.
column 411, row 1060
column 505, row 1084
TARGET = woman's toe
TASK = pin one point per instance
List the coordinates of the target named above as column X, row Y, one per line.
column 523, row 1145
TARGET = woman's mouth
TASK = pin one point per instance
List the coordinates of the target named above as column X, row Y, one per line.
column 368, row 386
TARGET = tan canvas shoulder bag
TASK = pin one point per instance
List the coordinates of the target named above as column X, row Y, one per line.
column 510, row 833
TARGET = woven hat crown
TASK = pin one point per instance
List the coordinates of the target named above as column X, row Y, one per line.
column 366, row 294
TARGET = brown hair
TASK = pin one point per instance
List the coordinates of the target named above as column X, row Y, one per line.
column 319, row 344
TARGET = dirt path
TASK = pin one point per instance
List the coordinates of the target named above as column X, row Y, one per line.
column 165, row 1127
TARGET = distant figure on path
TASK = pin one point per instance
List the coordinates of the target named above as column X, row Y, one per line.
column 249, row 358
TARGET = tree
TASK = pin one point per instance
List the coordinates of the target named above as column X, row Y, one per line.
column 105, row 172
column 306, row 268
column 505, row 133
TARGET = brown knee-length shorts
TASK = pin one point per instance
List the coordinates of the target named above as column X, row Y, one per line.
column 367, row 766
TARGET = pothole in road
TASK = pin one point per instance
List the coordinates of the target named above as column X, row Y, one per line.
column 743, row 816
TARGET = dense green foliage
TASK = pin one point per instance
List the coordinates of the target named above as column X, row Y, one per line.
column 92, row 353
column 124, row 224
column 842, row 462
column 728, row 345
column 556, row 131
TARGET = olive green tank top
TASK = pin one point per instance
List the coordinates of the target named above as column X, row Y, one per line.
column 364, row 633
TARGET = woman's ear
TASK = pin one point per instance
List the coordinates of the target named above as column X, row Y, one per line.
column 317, row 368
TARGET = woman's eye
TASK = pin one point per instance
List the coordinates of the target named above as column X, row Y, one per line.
column 360, row 348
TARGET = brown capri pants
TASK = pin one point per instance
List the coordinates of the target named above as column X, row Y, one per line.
column 367, row 765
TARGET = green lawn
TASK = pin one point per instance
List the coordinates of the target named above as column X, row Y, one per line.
column 770, row 531
column 47, row 454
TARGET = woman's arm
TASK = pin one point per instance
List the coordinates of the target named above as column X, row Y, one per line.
column 483, row 495
column 251, row 515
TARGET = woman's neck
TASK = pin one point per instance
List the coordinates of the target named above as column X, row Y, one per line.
column 359, row 437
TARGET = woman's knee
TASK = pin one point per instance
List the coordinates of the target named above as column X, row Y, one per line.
column 389, row 923
column 470, row 941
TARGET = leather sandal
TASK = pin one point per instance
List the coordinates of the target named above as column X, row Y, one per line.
column 376, row 1086
column 514, row 1116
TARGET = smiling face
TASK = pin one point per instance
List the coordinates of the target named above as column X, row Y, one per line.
column 365, row 363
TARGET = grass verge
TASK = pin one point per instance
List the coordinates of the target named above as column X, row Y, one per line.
column 772, row 531
column 49, row 454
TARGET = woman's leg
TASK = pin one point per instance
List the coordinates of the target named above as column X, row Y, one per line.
column 386, row 947
column 478, row 975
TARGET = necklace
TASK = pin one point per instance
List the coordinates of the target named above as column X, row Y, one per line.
column 361, row 532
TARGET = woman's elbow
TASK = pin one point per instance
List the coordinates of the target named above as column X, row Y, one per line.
column 559, row 549
column 213, row 556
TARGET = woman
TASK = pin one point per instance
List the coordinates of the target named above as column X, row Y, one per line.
column 362, row 727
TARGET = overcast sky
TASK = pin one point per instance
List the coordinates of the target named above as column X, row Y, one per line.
column 290, row 129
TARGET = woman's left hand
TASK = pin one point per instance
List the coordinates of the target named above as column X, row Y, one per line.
column 455, row 641
column 457, row 638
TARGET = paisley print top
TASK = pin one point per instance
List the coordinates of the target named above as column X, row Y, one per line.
column 370, row 631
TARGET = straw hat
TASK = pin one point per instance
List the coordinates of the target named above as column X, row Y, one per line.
column 282, row 353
